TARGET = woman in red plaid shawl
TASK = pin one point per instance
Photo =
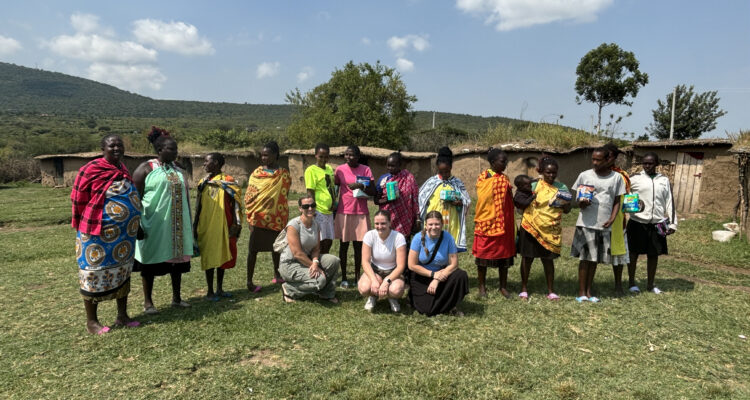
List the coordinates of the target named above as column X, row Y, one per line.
column 106, row 216
column 404, row 208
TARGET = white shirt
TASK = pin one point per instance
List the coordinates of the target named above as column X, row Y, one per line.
column 384, row 251
column 658, row 202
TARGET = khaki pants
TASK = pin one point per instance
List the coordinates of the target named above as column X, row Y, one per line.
column 298, row 281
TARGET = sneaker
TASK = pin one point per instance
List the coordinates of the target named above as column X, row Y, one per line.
column 634, row 289
column 395, row 306
column 655, row 290
column 370, row 303
column 344, row 284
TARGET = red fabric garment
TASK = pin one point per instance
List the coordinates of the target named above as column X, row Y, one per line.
column 504, row 245
column 89, row 190
column 229, row 215
column 405, row 208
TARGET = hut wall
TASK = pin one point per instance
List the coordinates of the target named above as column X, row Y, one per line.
column 718, row 191
column 49, row 173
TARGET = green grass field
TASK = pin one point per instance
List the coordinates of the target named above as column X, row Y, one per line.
column 684, row 344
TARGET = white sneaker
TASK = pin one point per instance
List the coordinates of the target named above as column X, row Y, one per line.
column 395, row 306
column 634, row 289
column 370, row 303
column 655, row 290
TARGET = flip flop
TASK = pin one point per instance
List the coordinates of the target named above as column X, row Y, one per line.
column 227, row 294
column 213, row 298
column 105, row 329
column 524, row 295
column 286, row 297
column 132, row 324
column 256, row 289
column 634, row 289
column 279, row 281
column 581, row 299
column 553, row 297
column 594, row 299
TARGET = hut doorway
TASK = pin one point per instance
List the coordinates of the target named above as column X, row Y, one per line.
column 687, row 181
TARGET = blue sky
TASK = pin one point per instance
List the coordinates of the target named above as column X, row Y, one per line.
column 513, row 58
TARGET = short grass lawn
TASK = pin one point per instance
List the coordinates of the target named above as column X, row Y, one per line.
column 688, row 343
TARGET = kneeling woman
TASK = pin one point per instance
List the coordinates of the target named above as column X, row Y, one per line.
column 437, row 284
column 384, row 261
column 302, row 266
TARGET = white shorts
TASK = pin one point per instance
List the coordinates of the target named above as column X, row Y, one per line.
column 325, row 223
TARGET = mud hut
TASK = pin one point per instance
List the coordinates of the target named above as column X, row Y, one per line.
column 703, row 173
column 743, row 171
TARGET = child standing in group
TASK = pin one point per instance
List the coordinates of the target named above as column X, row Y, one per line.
column 540, row 235
column 599, row 190
column 319, row 184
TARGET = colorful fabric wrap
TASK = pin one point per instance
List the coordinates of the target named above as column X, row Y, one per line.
column 542, row 221
column 266, row 203
column 89, row 191
column 219, row 208
column 406, row 207
column 105, row 261
column 426, row 193
column 166, row 217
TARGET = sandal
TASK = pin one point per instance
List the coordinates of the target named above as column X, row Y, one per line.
column 132, row 324
column 524, row 295
column 594, row 299
column 277, row 280
column 181, row 304
column 581, row 299
column 553, row 297
column 105, row 329
column 286, row 297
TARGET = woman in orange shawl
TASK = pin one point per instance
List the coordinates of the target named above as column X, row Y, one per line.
column 267, row 210
column 494, row 225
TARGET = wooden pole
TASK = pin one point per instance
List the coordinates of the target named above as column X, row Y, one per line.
column 671, row 124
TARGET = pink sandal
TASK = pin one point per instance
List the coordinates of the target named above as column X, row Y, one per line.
column 553, row 297
column 524, row 295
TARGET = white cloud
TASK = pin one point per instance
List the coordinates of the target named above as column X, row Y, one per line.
column 131, row 77
column 366, row 41
column 9, row 45
column 404, row 65
column 267, row 70
column 401, row 44
column 95, row 48
column 178, row 37
column 305, row 74
column 507, row 15
column 87, row 23
column 124, row 64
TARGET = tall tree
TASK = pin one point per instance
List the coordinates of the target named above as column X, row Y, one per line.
column 361, row 104
column 608, row 75
column 694, row 114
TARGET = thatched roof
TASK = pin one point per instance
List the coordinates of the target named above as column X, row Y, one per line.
column 88, row 155
column 372, row 152
column 665, row 144
column 518, row 148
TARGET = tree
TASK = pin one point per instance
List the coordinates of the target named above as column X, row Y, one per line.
column 608, row 75
column 694, row 114
column 361, row 104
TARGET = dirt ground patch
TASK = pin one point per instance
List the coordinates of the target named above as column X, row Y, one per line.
column 264, row 358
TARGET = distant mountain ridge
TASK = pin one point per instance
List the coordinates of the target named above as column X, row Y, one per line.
column 27, row 90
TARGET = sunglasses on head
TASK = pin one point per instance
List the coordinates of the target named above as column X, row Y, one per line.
column 307, row 206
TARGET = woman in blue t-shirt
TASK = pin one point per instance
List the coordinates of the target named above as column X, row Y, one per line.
column 437, row 284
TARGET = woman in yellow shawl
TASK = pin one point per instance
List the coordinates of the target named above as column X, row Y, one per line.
column 218, row 222
column 494, row 226
column 540, row 235
column 267, row 210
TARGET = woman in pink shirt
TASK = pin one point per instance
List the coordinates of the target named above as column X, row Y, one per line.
column 352, row 219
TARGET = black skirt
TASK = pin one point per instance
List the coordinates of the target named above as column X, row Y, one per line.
column 446, row 297
column 160, row 269
column 529, row 247
column 645, row 239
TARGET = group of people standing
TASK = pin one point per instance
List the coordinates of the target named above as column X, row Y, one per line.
column 143, row 223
